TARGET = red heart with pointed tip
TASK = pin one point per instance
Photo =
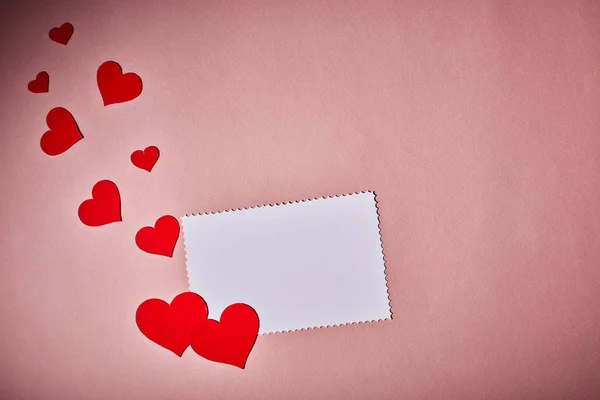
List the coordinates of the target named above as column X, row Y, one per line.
column 170, row 326
column 63, row 132
column 115, row 86
column 40, row 84
column 161, row 239
column 104, row 207
column 230, row 340
column 61, row 35
column 145, row 159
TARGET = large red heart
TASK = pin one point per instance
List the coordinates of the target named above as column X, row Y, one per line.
column 116, row 87
column 40, row 84
column 61, row 35
column 229, row 341
column 104, row 207
column 63, row 132
column 170, row 326
column 161, row 239
column 145, row 159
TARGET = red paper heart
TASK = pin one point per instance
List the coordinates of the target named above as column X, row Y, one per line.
column 63, row 132
column 145, row 159
column 161, row 239
column 40, row 84
column 230, row 340
column 104, row 207
column 61, row 35
column 116, row 87
column 170, row 326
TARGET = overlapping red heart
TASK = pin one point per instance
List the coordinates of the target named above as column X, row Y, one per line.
column 184, row 323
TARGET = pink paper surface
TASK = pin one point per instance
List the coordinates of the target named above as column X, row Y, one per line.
column 476, row 122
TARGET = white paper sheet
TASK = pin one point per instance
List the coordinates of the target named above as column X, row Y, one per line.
column 299, row 265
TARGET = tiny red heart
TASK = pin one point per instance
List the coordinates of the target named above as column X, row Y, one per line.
column 230, row 340
column 115, row 86
column 63, row 132
column 170, row 326
column 145, row 159
column 40, row 84
column 61, row 35
column 104, row 207
column 161, row 239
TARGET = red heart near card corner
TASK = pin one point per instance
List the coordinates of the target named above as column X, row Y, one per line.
column 104, row 207
column 230, row 340
column 61, row 35
column 161, row 239
column 115, row 86
column 170, row 326
column 145, row 159
column 63, row 132
column 40, row 84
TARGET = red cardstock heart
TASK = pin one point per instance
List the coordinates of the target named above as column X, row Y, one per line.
column 63, row 132
column 61, row 35
column 230, row 340
column 145, row 159
column 104, row 207
column 170, row 326
column 116, row 87
column 40, row 84
column 161, row 239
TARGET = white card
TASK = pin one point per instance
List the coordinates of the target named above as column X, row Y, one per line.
column 306, row 264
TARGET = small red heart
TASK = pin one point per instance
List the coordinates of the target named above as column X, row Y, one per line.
column 61, row 35
column 40, row 84
column 145, row 159
column 170, row 326
column 63, row 132
column 161, row 239
column 104, row 207
column 229, row 341
column 116, row 87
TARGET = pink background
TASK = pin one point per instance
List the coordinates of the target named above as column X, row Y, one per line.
column 476, row 122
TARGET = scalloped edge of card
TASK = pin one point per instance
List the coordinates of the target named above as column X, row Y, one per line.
column 385, row 267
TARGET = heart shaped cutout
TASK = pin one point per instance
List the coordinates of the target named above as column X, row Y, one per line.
column 145, row 159
column 115, row 86
column 161, row 239
column 170, row 325
column 104, row 207
column 61, row 35
column 230, row 340
column 63, row 132
column 40, row 84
